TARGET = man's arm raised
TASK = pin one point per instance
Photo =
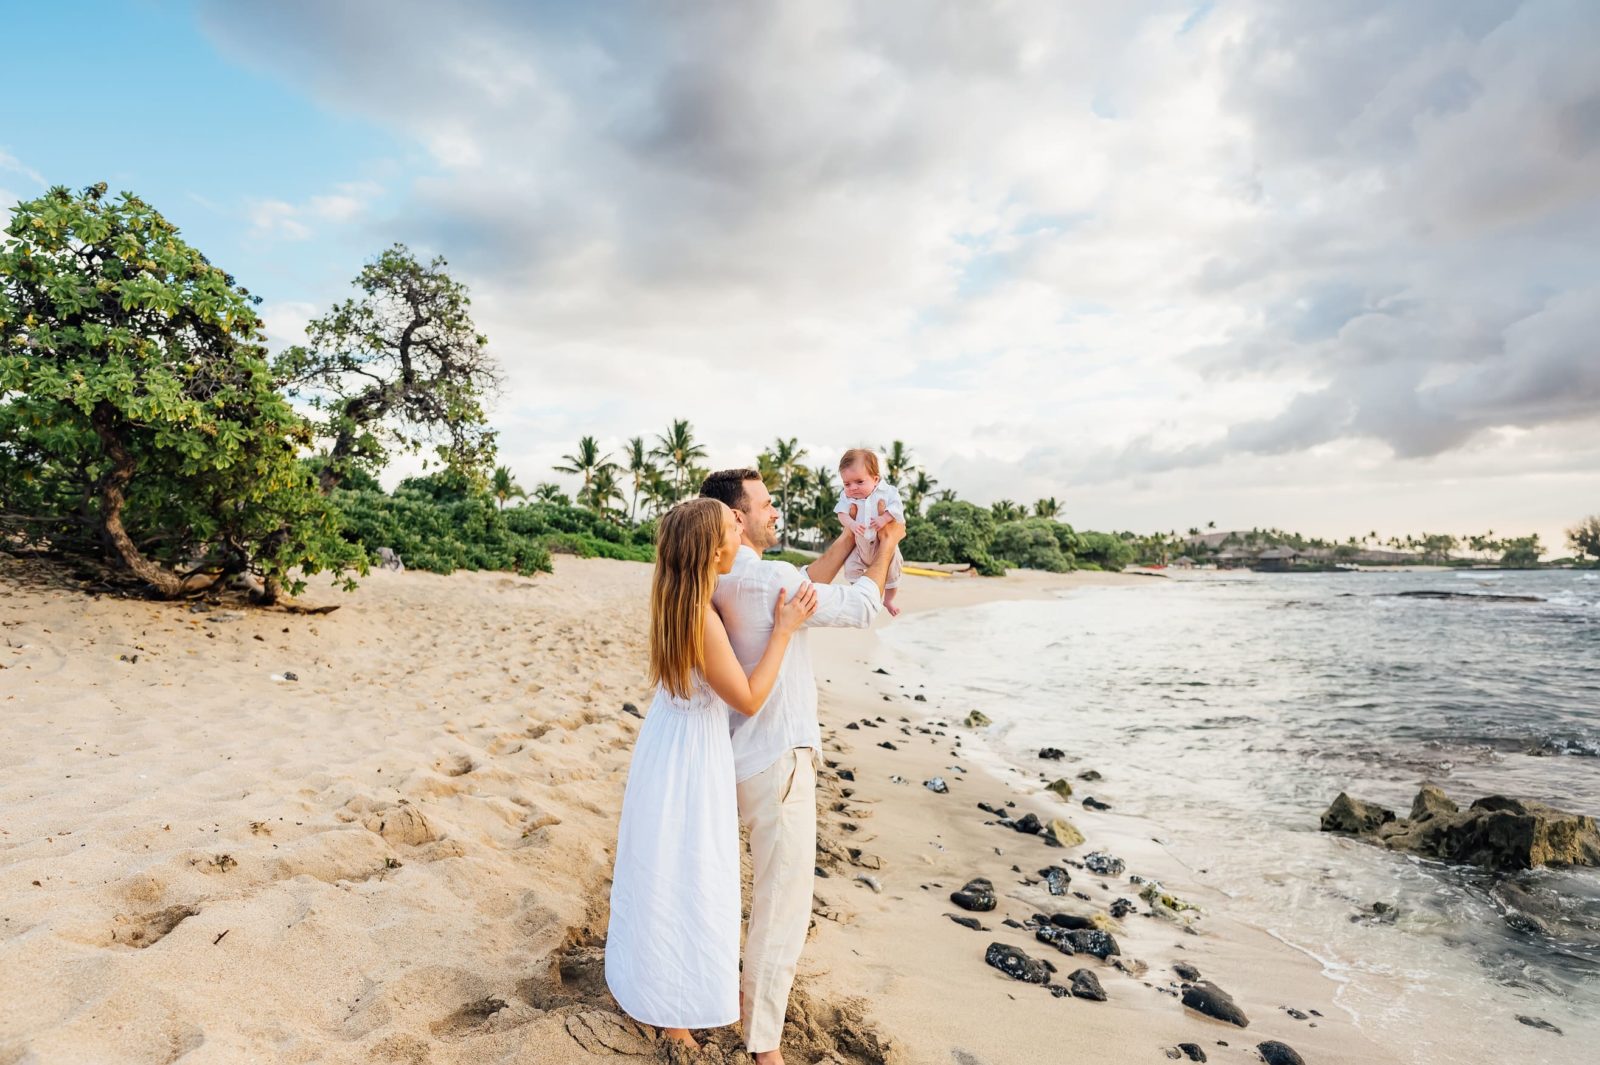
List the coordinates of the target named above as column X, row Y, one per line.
column 889, row 538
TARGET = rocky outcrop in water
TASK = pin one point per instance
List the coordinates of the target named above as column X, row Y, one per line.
column 1495, row 832
column 1354, row 817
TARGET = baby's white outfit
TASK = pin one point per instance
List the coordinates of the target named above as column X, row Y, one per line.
column 866, row 543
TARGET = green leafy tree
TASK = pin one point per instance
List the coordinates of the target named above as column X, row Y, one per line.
column 1049, row 508
column 504, row 487
column 1584, row 537
column 679, row 450
column 1030, row 543
column 1523, row 551
column 966, row 530
column 401, row 366
column 139, row 415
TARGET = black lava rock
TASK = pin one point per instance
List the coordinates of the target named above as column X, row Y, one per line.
column 1186, row 971
column 1104, row 864
column 1028, row 824
column 1092, row 803
column 1090, row 775
column 1209, row 999
column 967, row 922
column 1056, row 879
column 629, row 708
column 1192, row 1051
column 847, row 774
column 1120, row 908
column 1016, row 964
column 1276, row 1053
column 1093, row 941
column 886, row 745
column 976, row 895
column 1086, row 984
column 1070, row 921
column 1054, row 754
column 1078, row 940
column 853, row 725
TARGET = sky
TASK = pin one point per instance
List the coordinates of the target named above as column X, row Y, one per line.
column 1325, row 267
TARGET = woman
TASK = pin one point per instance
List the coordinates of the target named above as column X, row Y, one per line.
column 672, row 950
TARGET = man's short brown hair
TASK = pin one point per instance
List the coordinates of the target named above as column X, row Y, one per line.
column 728, row 486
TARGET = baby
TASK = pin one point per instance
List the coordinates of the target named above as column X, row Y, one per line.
column 867, row 505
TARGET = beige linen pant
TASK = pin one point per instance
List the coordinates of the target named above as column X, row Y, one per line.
column 779, row 807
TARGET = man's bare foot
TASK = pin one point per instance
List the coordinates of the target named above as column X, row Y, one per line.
column 888, row 603
column 769, row 1057
column 681, row 1036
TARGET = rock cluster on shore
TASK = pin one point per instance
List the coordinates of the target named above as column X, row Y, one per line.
column 1495, row 832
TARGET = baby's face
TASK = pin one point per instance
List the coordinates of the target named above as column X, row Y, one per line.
column 858, row 483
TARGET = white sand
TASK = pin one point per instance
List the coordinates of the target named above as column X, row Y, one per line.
column 404, row 855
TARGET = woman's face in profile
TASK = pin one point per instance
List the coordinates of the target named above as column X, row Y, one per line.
column 730, row 541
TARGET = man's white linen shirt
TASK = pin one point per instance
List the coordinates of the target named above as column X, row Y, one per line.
column 744, row 599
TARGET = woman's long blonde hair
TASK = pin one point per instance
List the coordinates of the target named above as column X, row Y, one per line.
column 686, row 574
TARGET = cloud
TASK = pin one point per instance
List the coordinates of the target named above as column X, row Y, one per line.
column 1099, row 244
column 349, row 202
column 11, row 163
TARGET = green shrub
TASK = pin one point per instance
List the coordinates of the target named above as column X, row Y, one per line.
column 431, row 531
column 1032, row 543
column 1103, row 551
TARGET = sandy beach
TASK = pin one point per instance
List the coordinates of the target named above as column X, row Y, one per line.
column 383, row 834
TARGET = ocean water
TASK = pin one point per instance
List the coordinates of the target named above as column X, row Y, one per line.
column 1230, row 708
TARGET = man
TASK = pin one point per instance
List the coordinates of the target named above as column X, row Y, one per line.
column 775, row 752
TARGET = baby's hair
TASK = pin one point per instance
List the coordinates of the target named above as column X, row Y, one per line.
column 864, row 455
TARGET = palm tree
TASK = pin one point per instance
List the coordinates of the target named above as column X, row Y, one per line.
column 504, row 487
column 1005, row 510
column 786, row 456
column 1049, row 508
column 896, row 462
column 945, row 495
column 602, row 489
column 547, row 492
column 639, row 465
column 677, row 446
column 824, row 497
column 919, row 488
column 587, row 460
column 659, row 491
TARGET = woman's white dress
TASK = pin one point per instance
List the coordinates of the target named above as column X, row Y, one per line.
column 672, row 950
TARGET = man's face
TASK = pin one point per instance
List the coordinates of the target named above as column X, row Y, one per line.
column 759, row 517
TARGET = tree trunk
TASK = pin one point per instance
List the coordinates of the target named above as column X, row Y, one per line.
column 113, row 494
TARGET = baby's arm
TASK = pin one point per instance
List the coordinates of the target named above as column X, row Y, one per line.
column 884, row 517
column 845, row 511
